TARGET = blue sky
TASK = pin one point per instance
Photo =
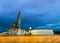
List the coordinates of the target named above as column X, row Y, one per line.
column 35, row 13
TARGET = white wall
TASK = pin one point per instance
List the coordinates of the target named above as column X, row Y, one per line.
column 42, row 32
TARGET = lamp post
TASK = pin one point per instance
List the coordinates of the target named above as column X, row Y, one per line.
column 30, row 30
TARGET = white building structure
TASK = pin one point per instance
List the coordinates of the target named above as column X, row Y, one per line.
column 42, row 32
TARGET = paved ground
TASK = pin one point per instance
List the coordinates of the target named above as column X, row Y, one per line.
column 30, row 39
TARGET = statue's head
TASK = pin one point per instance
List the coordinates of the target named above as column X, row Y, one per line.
column 14, row 25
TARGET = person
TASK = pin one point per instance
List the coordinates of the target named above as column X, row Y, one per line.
column 13, row 30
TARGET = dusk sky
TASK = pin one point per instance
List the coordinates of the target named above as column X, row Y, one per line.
column 38, row 14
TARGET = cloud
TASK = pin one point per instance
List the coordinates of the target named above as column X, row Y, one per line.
column 55, row 26
column 35, row 12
